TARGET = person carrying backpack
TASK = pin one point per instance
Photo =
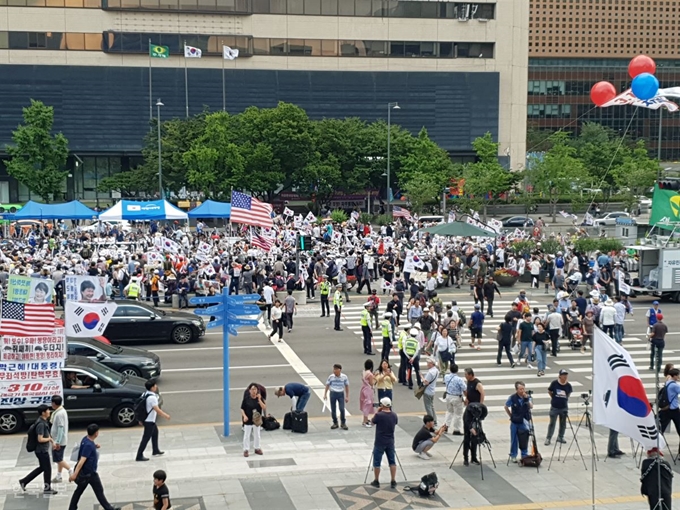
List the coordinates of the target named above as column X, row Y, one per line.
column 148, row 415
column 669, row 409
column 38, row 442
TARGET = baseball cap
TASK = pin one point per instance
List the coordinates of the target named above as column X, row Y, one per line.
column 431, row 360
column 477, row 306
column 655, row 302
column 659, row 316
column 563, row 372
column 386, row 402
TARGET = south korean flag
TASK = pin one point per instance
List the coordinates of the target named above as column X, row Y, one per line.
column 84, row 320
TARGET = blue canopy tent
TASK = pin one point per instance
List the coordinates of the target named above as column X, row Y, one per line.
column 68, row 211
column 211, row 209
column 143, row 211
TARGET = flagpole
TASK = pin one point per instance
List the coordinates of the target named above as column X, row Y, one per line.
column 224, row 85
column 186, row 81
column 150, row 88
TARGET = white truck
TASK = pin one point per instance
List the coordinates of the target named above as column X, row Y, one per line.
column 658, row 268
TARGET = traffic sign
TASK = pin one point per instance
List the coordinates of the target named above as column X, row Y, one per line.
column 215, row 324
column 245, row 310
column 239, row 299
column 232, row 330
column 206, row 300
column 208, row 311
column 237, row 321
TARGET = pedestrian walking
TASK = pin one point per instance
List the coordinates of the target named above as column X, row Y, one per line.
column 657, row 337
column 490, row 289
column 85, row 473
column 59, row 432
column 290, row 307
column 338, row 386
column 455, row 394
column 153, row 410
column 505, row 335
column 41, row 441
column 161, row 493
column 366, row 393
column 252, row 412
column 277, row 321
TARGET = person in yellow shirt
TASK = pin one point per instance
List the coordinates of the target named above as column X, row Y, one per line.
column 365, row 322
column 155, row 285
column 337, row 306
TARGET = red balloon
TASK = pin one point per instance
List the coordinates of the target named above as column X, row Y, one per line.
column 641, row 64
column 602, row 92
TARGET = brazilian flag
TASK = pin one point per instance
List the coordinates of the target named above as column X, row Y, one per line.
column 156, row 51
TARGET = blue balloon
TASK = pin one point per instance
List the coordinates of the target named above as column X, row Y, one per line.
column 645, row 86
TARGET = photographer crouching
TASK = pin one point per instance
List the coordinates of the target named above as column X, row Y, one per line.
column 518, row 408
column 385, row 421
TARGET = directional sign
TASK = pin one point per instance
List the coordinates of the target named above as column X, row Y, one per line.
column 206, row 300
column 245, row 310
column 232, row 330
column 240, row 299
column 237, row 321
column 215, row 324
column 207, row 311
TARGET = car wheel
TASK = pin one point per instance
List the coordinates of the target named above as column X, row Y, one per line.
column 182, row 334
column 10, row 421
column 12, row 210
column 130, row 370
column 124, row 415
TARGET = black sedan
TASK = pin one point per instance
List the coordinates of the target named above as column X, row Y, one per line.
column 517, row 221
column 101, row 395
column 126, row 360
column 138, row 322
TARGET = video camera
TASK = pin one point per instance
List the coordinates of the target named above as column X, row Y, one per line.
column 586, row 397
column 477, row 411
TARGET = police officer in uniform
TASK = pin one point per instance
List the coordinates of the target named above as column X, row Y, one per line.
column 337, row 306
column 386, row 328
column 324, row 291
column 365, row 322
column 412, row 351
column 133, row 289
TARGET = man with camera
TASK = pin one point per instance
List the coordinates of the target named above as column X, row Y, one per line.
column 426, row 437
column 473, row 395
column 518, row 408
column 385, row 421
column 559, row 391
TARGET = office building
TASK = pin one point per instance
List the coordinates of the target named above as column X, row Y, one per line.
column 457, row 68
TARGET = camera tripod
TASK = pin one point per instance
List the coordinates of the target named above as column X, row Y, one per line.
column 370, row 463
column 531, row 437
column 587, row 421
column 573, row 433
column 478, row 445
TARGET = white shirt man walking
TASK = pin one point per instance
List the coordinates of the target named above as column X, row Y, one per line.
column 150, row 427
column 59, row 432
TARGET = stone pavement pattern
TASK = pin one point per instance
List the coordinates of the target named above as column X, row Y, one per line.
column 325, row 470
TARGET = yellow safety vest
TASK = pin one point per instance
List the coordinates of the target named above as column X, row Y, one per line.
column 133, row 291
column 400, row 340
column 365, row 317
column 337, row 299
column 410, row 346
column 385, row 328
column 325, row 288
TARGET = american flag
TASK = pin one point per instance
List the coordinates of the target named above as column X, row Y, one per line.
column 26, row 320
column 400, row 212
column 249, row 210
column 262, row 242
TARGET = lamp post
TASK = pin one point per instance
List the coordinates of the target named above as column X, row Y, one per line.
column 390, row 107
column 160, row 167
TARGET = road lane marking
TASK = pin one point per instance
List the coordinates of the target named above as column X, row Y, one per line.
column 213, row 348
column 197, row 369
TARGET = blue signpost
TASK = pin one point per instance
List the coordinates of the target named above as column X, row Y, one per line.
column 226, row 310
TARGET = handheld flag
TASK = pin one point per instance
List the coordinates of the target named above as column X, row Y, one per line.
column 88, row 319
column 619, row 398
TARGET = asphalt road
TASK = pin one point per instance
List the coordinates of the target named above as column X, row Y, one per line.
column 191, row 382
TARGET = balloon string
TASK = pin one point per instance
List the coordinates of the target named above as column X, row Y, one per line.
column 623, row 137
column 564, row 127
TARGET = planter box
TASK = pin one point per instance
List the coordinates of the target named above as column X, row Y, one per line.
column 505, row 281
column 300, row 296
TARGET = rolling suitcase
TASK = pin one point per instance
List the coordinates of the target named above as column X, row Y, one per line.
column 287, row 421
column 299, row 423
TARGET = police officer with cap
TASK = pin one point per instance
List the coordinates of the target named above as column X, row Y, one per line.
column 412, row 351
column 365, row 322
column 337, row 306
column 386, row 328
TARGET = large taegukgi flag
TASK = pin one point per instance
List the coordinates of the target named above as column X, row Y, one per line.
column 619, row 398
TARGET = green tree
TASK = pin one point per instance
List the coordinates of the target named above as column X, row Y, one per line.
column 638, row 172
column 600, row 149
column 486, row 178
column 558, row 172
column 37, row 158
column 421, row 191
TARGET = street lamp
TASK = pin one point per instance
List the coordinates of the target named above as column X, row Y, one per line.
column 390, row 107
column 160, row 168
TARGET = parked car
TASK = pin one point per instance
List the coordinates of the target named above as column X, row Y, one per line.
column 134, row 322
column 610, row 218
column 108, row 395
column 126, row 360
column 645, row 202
column 517, row 221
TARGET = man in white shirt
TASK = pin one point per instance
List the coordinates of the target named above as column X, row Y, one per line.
column 150, row 427
column 268, row 294
column 500, row 257
column 607, row 317
column 445, row 267
column 430, row 381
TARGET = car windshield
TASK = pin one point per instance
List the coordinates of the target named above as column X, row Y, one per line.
column 106, row 374
column 108, row 349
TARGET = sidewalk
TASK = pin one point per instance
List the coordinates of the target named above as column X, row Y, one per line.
column 325, row 470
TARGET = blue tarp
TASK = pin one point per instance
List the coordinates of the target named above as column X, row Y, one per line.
column 211, row 209
column 69, row 211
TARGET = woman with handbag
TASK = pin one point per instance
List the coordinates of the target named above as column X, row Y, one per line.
column 252, row 411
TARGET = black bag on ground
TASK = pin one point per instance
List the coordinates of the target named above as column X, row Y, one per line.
column 287, row 421
column 428, row 485
column 532, row 460
column 299, row 422
column 270, row 423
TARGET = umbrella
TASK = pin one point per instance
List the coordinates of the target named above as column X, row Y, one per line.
column 459, row 229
